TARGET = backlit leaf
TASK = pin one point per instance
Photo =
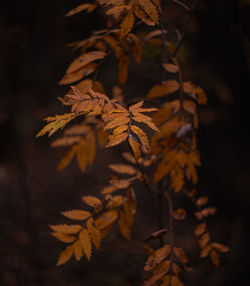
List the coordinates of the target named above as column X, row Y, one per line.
column 77, row 214
column 65, row 255
column 66, row 229
column 85, row 243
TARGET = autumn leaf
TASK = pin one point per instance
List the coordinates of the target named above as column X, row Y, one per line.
column 123, row 169
column 77, row 214
column 65, row 255
column 66, row 229
column 85, row 243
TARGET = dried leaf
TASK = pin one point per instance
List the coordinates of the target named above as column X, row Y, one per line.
column 63, row 237
column 106, row 219
column 92, row 201
column 88, row 7
column 127, row 24
column 85, row 59
column 65, row 255
column 94, row 233
column 173, row 68
column 77, row 214
column 220, row 247
column 78, row 250
column 123, row 169
column 205, row 251
column 66, row 229
column 181, row 255
column 67, row 158
column 117, row 139
column 85, row 243
column 202, row 201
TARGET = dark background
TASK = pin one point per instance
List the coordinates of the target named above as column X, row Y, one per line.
column 33, row 58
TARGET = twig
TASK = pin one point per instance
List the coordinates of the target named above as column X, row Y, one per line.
column 171, row 230
column 182, row 4
column 192, row 8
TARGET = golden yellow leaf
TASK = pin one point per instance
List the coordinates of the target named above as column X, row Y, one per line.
column 177, row 177
column 77, row 214
column 115, row 202
column 127, row 24
column 150, row 9
column 123, row 169
column 106, row 219
column 200, row 229
column 139, row 12
column 135, row 107
column 142, row 136
column 65, row 255
column 66, row 229
column 92, row 201
column 117, row 139
column 135, row 146
column 215, row 258
column 78, row 250
column 85, row 243
column 88, row 7
column 117, row 122
column 78, row 74
column 63, row 237
column 66, row 141
column 117, row 10
column 94, row 233
column 120, row 129
column 85, row 59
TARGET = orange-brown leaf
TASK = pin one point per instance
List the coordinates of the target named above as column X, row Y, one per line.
column 123, row 169
column 85, row 243
column 117, row 139
column 214, row 256
column 220, row 247
column 127, row 24
column 92, row 201
column 200, row 229
column 65, row 255
column 203, row 241
column 78, row 250
column 66, row 229
column 94, row 233
column 179, row 214
column 106, row 219
column 87, row 6
column 77, row 214
column 63, row 237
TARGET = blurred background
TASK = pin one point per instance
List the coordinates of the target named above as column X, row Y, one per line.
column 33, row 58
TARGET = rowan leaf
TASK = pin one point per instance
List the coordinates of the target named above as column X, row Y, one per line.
column 63, row 237
column 117, row 122
column 203, row 241
column 135, row 146
column 106, row 219
column 142, row 136
column 127, row 24
column 78, row 250
column 65, row 255
column 163, row 89
column 150, row 9
column 123, row 169
column 85, row 243
column 82, row 156
column 66, row 229
column 173, row 68
column 117, row 139
column 88, row 7
column 85, row 59
column 124, row 226
column 77, row 214
column 67, row 158
column 181, row 255
column 94, row 233
column 205, row 251
column 91, row 201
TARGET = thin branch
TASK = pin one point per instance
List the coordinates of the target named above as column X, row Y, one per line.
column 192, row 8
column 182, row 4
column 171, row 230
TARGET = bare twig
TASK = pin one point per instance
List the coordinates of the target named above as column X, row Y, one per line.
column 192, row 8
